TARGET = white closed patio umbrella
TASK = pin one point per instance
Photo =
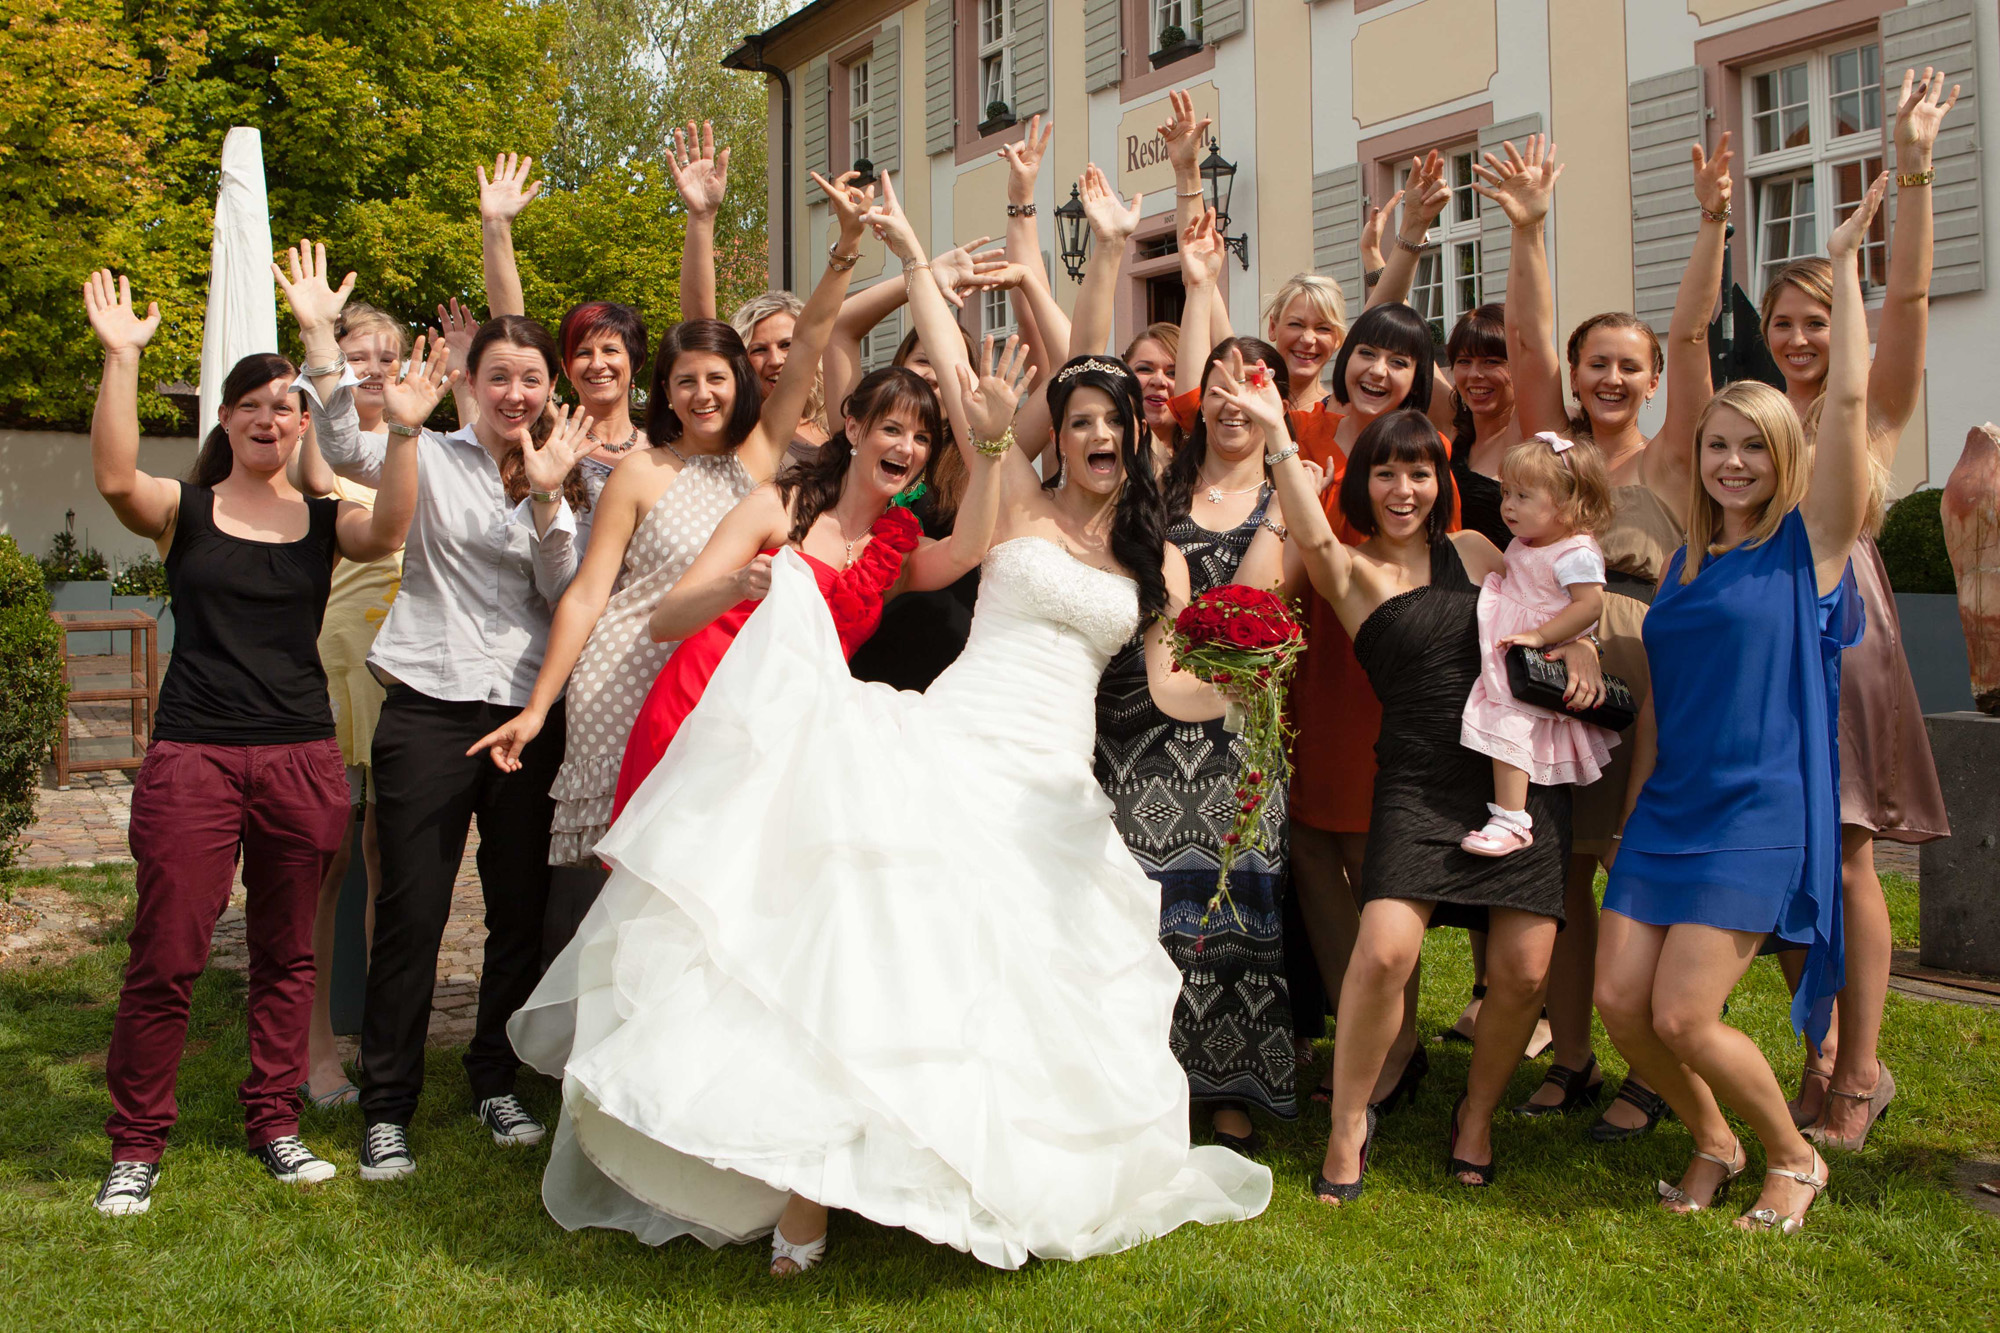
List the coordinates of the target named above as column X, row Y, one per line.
column 242, row 301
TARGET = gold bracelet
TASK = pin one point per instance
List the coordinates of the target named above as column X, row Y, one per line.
column 996, row 448
column 1910, row 180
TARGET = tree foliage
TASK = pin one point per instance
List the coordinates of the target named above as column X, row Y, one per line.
column 112, row 120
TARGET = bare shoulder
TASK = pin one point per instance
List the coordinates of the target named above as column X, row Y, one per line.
column 1479, row 556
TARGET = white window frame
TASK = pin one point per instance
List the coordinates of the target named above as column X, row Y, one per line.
column 1816, row 163
column 995, row 61
column 996, row 314
column 859, row 135
column 1164, row 14
column 1449, row 281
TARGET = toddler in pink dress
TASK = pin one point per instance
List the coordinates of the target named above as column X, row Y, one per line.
column 1554, row 494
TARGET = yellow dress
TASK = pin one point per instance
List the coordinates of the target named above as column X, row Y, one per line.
column 355, row 609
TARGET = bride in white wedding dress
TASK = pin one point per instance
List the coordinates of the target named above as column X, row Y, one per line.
column 885, row 951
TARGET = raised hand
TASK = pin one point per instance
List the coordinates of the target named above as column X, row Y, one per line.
column 1920, row 112
column 1524, row 184
column 108, row 302
column 1111, row 222
column 1201, row 251
column 1024, row 159
column 1183, row 133
column 314, row 301
column 547, row 464
column 854, row 205
column 960, row 269
column 410, row 395
column 1851, row 235
column 1377, row 224
column 699, row 169
column 1712, row 186
column 502, row 198
column 1254, row 391
column 991, row 396
column 1426, row 194
column 459, row 325
column 891, row 225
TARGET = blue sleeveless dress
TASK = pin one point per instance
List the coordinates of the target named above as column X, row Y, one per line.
column 1738, row 826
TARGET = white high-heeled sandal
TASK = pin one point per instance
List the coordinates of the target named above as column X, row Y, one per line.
column 803, row 1256
column 1678, row 1200
column 1789, row 1224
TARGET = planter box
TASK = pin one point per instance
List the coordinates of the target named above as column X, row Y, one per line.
column 83, row 595
column 994, row 124
column 157, row 608
column 1934, row 643
column 1167, row 55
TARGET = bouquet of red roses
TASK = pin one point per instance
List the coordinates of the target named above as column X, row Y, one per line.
column 1246, row 642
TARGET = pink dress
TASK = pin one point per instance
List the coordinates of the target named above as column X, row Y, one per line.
column 1552, row 748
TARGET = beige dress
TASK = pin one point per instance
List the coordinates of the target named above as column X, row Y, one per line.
column 619, row 661
column 1888, row 779
column 1642, row 538
column 356, row 605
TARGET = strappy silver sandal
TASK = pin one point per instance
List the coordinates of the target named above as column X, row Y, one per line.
column 1770, row 1219
column 803, row 1256
column 1674, row 1199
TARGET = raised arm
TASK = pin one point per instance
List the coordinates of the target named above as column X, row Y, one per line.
column 1201, row 267
column 701, row 174
column 988, row 401
column 1898, row 373
column 1837, row 503
column 1670, row 456
column 1424, row 197
column 1184, row 135
column 546, row 512
column 1523, row 185
column 456, row 328
column 1373, row 266
column 929, row 314
column 1111, row 225
column 1023, row 242
column 327, row 384
column 786, row 403
column 957, row 271
column 145, row 504
column 730, row 569
column 501, row 200
column 369, row 533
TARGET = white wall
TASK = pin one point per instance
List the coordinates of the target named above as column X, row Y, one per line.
column 43, row 474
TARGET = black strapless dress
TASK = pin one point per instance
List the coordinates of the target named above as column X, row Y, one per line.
column 921, row 633
column 1421, row 652
column 1478, row 501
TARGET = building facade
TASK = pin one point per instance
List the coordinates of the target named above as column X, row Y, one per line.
column 1321, row 104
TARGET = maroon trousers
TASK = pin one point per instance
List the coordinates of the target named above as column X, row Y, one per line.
column 193, row 808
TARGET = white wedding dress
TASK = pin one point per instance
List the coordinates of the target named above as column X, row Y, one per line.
column 886, row 950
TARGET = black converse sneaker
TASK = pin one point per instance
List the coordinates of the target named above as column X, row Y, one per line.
column 292, row 1163
column 128, row 1189
column 385, row 1153
column 510, row 1122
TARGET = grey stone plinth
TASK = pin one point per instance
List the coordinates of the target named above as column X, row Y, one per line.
column 1958, row 889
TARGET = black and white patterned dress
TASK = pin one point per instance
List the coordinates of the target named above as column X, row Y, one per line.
column 1174, row 785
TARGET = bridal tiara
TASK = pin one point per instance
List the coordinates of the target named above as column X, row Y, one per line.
column 1094, row 363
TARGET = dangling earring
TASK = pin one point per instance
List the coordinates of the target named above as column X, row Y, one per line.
column 851, row 451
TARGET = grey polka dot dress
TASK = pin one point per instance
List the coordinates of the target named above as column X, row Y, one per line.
column 619, row 661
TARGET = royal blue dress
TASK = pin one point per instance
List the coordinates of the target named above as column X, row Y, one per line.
column 1739, row 824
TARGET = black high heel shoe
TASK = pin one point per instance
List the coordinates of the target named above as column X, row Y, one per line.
column 1457, row 1167
column 1651, row 1104
column 1577, row 1090
column 1452, row 1033
column 1327, row 1192
column 1414, row 1069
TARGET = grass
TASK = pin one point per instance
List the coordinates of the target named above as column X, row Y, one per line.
column 1568, row 1238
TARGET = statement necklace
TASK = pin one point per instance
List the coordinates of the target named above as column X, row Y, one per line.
column 630, row 440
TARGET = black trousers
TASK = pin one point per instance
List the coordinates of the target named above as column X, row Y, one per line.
column 428, row 792
column 573, row 891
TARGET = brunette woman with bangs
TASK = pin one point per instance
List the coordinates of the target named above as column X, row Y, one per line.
column 1615, row 363
column 1888, row 778
column 1407, row 596
column 714, row 438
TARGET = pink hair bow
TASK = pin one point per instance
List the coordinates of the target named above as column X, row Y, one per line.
column 1555, row 441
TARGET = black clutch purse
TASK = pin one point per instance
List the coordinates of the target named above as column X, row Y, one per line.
column 1540, row 681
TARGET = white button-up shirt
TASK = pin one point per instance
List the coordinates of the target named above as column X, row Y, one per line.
column 471, row 622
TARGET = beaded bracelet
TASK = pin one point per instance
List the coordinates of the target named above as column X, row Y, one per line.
column 996, row 448
column 1289, row 451
column 1713, row 215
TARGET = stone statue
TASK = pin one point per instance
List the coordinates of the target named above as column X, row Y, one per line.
column 1971, row 511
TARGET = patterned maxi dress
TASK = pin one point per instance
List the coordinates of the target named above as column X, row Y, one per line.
column 1173, row 785
column 619, row 662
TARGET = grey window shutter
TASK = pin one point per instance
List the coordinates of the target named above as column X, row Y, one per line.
column 1496, row 234
column 1103, row 47
column 885, row 100
column 883, row 340
column 1667, row 113
column 1220, row 19
column 1337, row 228
column 1941, row 34
column 813, row 118
column 938, row 116
column 1031, row 57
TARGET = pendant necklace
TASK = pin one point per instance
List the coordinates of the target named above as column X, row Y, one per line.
column 1215, row 494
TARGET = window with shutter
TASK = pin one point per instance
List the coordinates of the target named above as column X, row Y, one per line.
column 815, row 104
column 885, row 112
column 1666, row 114
column 1337, row 218
column 1103, row 44
column 940, row 119
column 1031, row 58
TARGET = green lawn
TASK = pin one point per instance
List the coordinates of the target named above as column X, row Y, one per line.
column 1568, row 1238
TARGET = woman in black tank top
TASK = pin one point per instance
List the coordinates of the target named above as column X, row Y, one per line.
column 243, row 762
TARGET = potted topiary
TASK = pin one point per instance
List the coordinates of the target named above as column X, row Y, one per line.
column 1919, row 569
column 1175, row 44
column 142, row 586
column 72, row 562
column 998, row 117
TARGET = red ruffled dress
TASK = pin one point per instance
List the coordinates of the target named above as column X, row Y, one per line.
column 854, row 595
